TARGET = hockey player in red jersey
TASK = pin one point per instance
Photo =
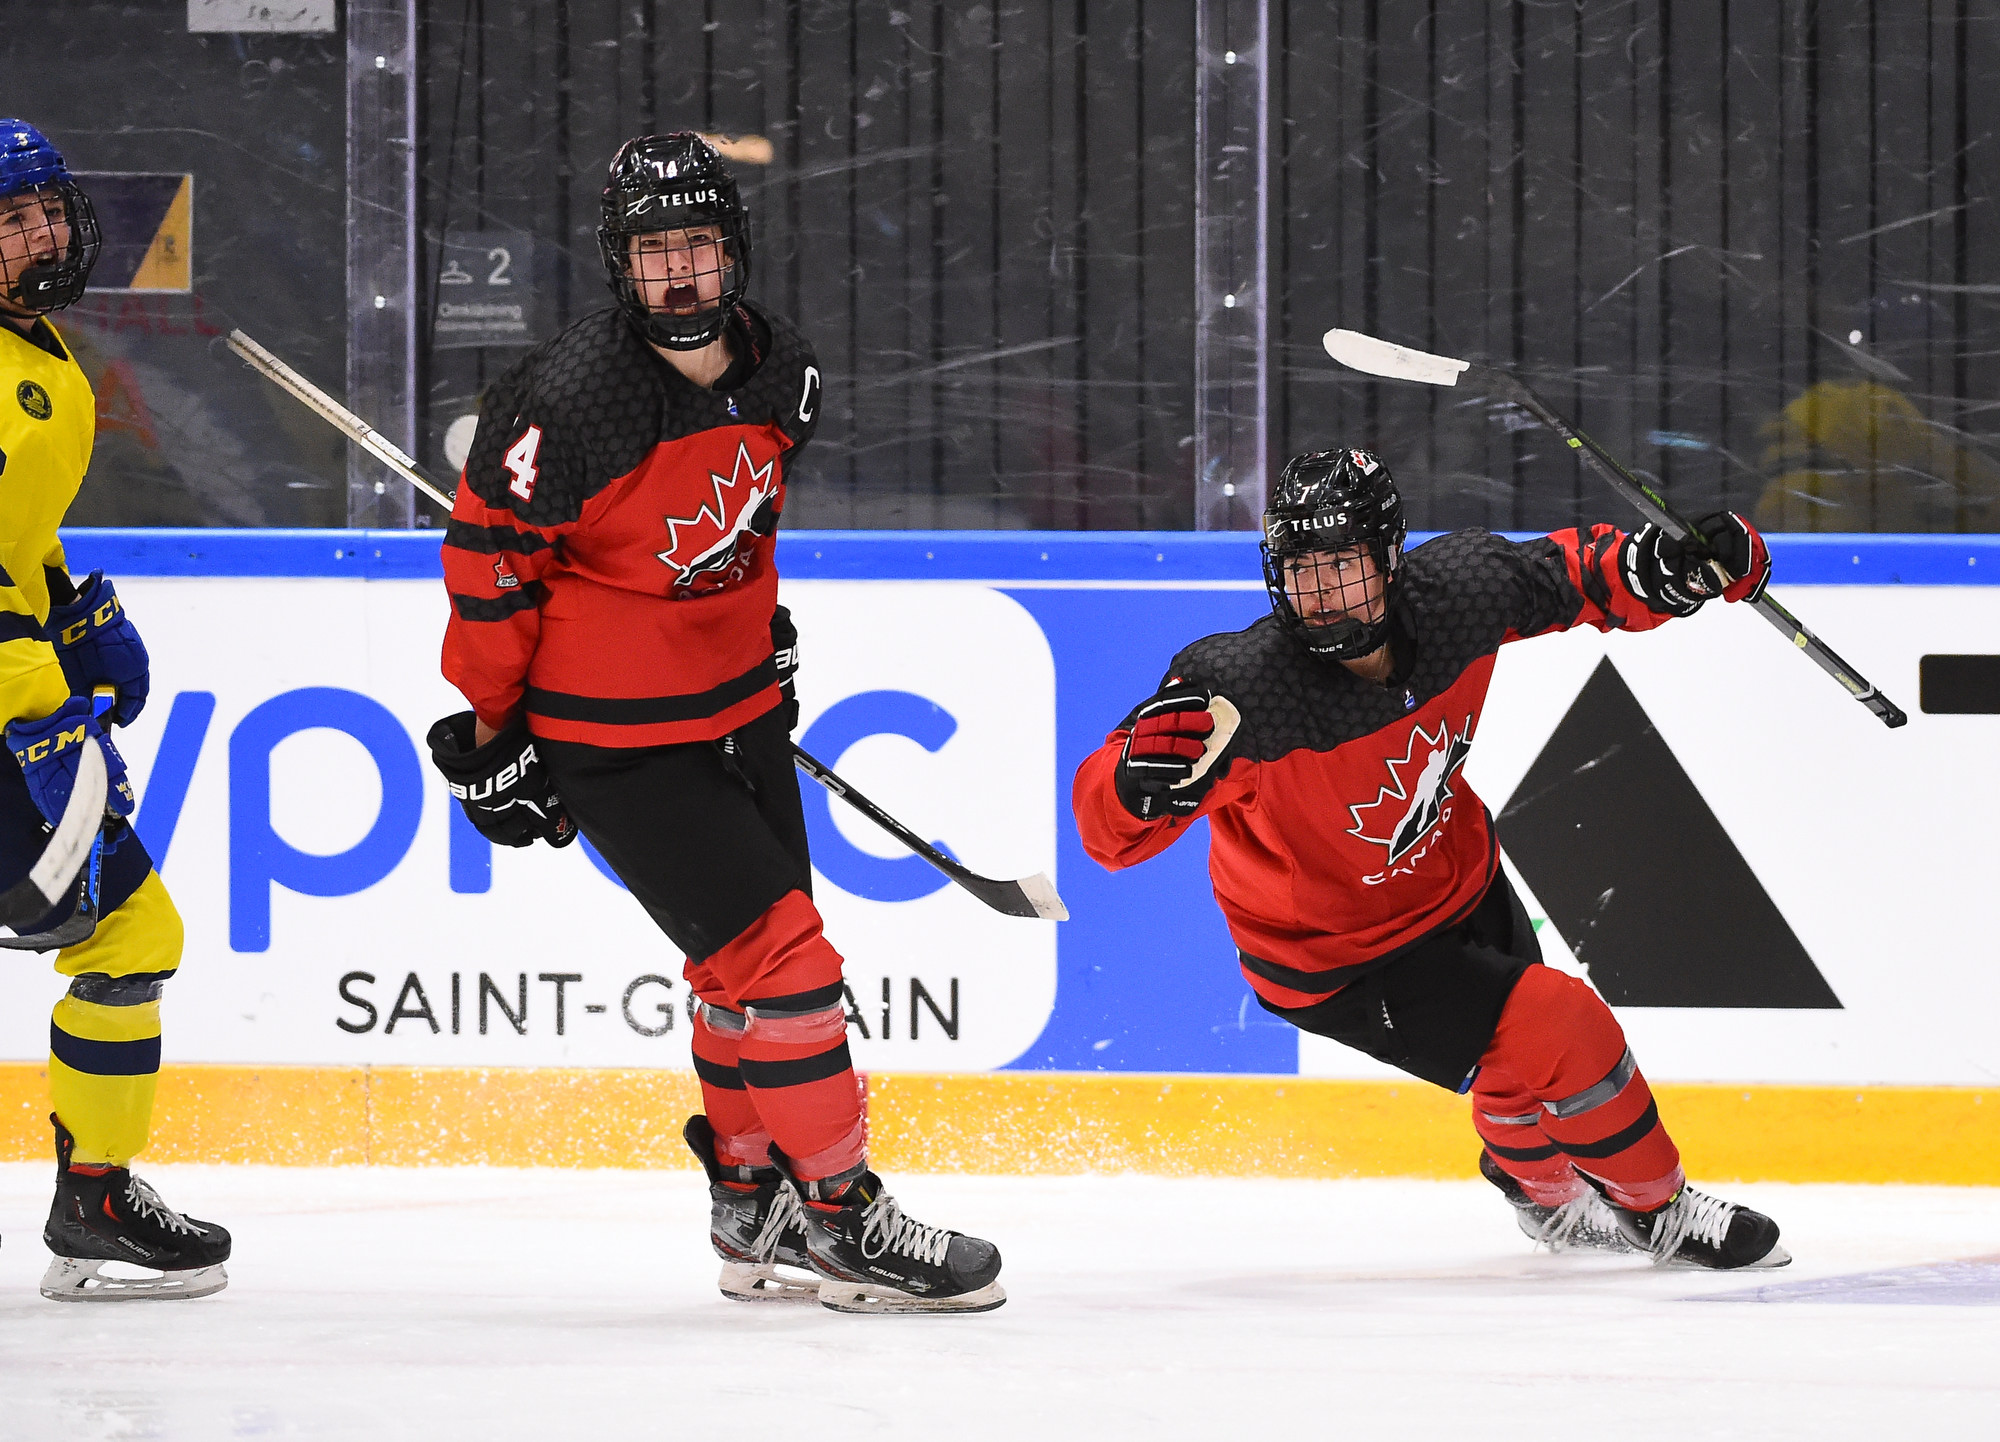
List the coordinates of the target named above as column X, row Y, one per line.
column 615, row 626
column 1359, row 875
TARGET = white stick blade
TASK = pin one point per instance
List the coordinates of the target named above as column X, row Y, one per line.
column 1385, row 358
column 69, row 848
column 1041, row 894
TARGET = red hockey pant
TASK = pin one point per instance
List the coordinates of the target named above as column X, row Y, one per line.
column 1558, row 1092
column 712, row 842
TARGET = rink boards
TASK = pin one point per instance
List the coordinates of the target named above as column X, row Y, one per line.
column 362, row 964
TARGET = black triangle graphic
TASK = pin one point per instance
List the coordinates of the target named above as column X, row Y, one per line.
column 1640, row 877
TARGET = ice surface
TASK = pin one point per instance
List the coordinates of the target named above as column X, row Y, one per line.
column 474, row 1303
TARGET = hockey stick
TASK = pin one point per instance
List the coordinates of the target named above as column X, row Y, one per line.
column 338, row 416
column 1384, row 358
column 1031, row 896
column 70, row 863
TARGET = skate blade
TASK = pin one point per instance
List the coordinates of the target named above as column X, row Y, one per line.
column 765, row 1282
column 1776, row 1257
column 864, row 1299
column 80, row 1279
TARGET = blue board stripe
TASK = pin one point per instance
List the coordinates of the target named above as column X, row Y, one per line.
column 1013, row 557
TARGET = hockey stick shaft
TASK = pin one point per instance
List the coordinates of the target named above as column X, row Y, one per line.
column 1031, row 896
column 338, row 416
column 1377, row 357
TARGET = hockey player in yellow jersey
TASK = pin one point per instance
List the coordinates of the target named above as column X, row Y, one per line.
column 60, row 641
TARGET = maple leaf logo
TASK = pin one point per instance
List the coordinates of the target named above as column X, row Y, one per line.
column 702, row 548
column 1401, row 815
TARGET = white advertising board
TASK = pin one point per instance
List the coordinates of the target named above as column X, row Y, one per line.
column 327, row 688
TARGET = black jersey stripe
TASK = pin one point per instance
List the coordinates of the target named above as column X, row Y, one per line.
column 500, row 608
column 16, row 627
column 494, row 540
column 652, row 710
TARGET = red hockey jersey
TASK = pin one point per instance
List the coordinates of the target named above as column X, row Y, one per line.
column 609, row 556
column 1341, row 830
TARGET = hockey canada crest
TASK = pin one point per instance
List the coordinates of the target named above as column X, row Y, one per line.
column 708, row 550
column 1416, row 802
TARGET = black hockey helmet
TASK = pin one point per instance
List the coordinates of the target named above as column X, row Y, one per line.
column 675, row 182
column 30, row 165
column 1324, row 502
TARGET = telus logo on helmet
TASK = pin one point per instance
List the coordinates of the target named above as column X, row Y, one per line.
column 677, row 199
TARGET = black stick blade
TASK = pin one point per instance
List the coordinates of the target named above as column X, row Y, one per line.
column 1032, row 897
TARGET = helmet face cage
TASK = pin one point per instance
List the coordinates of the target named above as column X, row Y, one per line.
column 674, row 231
column 1327, row 504
column 31, row 174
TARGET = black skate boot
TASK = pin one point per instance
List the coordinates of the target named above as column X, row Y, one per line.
column 112, row 1216
column 755, row 1233
column 1582, row 1224
column 1697, row 1230
column 872, row 1258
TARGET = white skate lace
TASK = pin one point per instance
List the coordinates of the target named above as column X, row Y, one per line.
column 1695, row 1216
column 786, row 1211
column 1559, row 1232
column 144, row 1203
column 885, row 1229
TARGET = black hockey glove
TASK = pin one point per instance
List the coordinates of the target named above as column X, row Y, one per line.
column 1742, row 552
column 503, row 786
column 785, row 645
column 1168, row 764
column 1674, row 577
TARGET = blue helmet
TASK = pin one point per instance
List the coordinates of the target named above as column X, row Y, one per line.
column 30, row 163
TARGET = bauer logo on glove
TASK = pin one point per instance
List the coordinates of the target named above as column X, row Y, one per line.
column 1171, row 751
column 503, row 786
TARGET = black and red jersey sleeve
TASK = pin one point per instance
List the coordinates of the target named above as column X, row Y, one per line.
column 1572, row 578
column 494, row 558
column 534, row 465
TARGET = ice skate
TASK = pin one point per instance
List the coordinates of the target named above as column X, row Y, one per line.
column 112, row 1216
column 872, row 1258
column 1697, row 1230
column 759, row 1235
column 1585, row 1223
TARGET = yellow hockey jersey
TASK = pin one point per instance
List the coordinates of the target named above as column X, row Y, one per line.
column 48, row 421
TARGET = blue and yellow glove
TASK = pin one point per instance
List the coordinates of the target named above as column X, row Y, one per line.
column 49, row 749
column 98, row 645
